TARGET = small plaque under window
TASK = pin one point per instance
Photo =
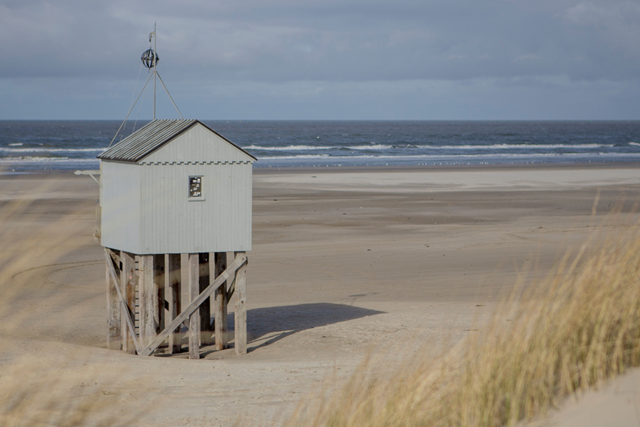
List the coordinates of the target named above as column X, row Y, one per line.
column 195, row 187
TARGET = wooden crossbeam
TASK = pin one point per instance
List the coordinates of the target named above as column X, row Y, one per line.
column 240, row 260
column 125, row 307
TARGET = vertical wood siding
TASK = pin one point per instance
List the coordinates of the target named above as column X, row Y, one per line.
column 196, row 145
column 120, row 203
column 146, row 208
column 171, row 223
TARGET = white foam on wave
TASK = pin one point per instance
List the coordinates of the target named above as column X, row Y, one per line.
column 32, row 159
column 512, row 146
column 50, row 150
column 634, row 143
column 287, row 148
column 322, row 147
column 432, row 147
column 369, row 147
column 37, row 159
column 307, row 156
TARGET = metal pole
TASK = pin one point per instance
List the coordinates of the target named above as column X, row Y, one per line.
column 155, row 63
column 167, row 90
column 130, row 110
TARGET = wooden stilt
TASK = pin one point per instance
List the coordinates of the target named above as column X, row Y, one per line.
column 128, row 280
column 137, row 293
column 167, row 304
column 172, row 297
column 140, row 299
column 111, row 263
column 206, row 331
column 114, row 327
column 194, row 318
column 158, row 280
column 184, row 290
column 217, row 264
column 148, row 300
column 241, row 308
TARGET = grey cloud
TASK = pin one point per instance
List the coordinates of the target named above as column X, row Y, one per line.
column 312, row 59
column 339, row 41
column 518, row 98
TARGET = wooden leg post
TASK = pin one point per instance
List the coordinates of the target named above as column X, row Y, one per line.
column 148, row 300
column 128, row 281
column 172, row 296
column 158, row 280
column 217, row 264
column 205, row 309
column 113, row 313
column 141, row 300
column 113, row 263
column 185, row 292
column 194, row 318
column 241, row 309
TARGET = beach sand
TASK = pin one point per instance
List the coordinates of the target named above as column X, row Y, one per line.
column 344, row 262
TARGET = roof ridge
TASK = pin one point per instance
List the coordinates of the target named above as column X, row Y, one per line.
column 151, row 137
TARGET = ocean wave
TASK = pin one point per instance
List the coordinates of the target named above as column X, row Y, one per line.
column 322, row 147
column 448, row 157
column 36, row 159
column 430, row 147
column 368, row 147
column 634, row 143
column 287, row 148
column 32, row 159
column 305, row 156
column 50, row 150
column 512, row 146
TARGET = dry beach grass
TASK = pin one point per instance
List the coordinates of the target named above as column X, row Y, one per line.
column 74, row 390
column 569, row 332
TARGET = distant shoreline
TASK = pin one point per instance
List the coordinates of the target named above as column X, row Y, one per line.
column 414, row 168
column 296, row 170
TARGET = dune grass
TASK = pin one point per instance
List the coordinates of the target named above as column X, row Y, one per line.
column 71, row 391
column 46, row 383
column 566, row 333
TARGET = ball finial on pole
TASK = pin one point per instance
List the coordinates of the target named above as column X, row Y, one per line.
column 150, row 58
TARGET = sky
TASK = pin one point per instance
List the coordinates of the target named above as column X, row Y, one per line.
column 324, row 60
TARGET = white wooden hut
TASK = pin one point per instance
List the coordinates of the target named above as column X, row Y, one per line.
column 175, row 204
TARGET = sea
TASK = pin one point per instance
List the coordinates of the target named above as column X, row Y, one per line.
column 27, row 146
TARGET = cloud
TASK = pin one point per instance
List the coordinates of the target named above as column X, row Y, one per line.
column 537, row 98
column 612, row 25
column 342, row 41
column 275, row 43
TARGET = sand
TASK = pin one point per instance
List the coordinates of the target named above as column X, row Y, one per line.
column 345, row 262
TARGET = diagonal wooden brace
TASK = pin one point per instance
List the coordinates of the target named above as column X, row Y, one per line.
column 240, row 260
column 231, row 290
column 125, row 307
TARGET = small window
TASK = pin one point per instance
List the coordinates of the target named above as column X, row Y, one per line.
column 195, row 187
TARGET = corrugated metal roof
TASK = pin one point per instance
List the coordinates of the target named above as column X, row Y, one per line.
column 151, row 137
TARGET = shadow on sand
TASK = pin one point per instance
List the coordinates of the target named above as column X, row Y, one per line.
column 283, row 321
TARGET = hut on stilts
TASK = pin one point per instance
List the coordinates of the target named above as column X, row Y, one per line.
column 176, row 225
column 175, row 209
